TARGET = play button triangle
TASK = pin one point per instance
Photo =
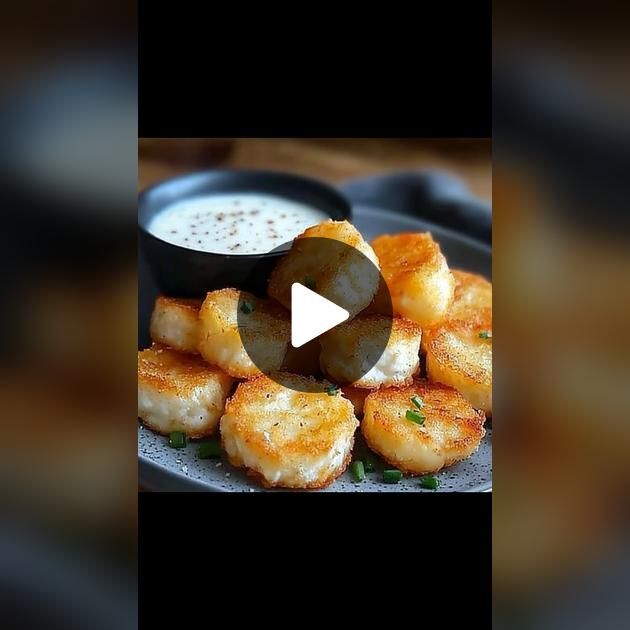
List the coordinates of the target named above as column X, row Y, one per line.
column 312, row 315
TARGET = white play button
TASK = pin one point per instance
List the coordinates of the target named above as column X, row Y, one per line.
column 312, row 315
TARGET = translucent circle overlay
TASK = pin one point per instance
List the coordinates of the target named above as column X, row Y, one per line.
column 336, row 271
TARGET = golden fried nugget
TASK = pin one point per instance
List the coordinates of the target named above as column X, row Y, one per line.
column 472, row 302
column 289, row 438
column 371, row 351
column 347, row 276
column 446, row 428
column 473, row 294
column 417, row 276
column 175, row 323
column 180, row 392
column 459, row 354
column 266, row 329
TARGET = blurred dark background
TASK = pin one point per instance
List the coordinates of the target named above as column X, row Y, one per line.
column 561, row 275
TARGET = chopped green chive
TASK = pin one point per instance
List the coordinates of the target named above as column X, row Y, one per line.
column 429, row 482
column 209, row 450
column 392, row 476
column 247, row 308
column 417, row 401
column 309, row 283
column 485, row 334
column 332, row 390
column 369, row 463
column 177, row 439
column 414, row 416
column 358, row 470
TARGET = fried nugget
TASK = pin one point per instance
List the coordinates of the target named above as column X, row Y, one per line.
column 447, row 429
column 180, row 392
column 288, row 438
column 473, row 294
column 472, row 302
column 459, row 354
column 266, row 330
column 417, row 276
column 347, row 276
column 350, row 351
column 175, row 323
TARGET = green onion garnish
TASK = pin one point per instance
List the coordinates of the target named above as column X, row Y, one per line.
column 414, row 416
column 417, row 401
column 309, row 283
column 485, row 334
column 247, row 308
column 369, row 463
column 209, row 450
column 177, row 439
column 332, row 390
column 392, row 476
column 358, row 471
column 429, row 482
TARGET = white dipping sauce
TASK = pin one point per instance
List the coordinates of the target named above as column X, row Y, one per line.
column 235, row 223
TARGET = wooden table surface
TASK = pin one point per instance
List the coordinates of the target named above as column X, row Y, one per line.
column 332, row 160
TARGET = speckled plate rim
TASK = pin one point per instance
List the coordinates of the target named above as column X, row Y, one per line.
column 155, row 477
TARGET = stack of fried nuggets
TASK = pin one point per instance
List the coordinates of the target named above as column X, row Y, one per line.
column 296, row 430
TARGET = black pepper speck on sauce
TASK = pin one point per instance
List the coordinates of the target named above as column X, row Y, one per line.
column 225, row 223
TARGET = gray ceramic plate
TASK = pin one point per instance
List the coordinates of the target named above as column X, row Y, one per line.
column 162, row 468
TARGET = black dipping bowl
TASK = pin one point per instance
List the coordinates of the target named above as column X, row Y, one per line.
column 185, row 272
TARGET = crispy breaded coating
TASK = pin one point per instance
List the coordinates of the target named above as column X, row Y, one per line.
column 350, row 351
column 450, row 430
column 175, row 322
column 417, row 276
column 473, row 293
column 339, row 274
column 459, row 354
column 472, row 302
column 288, row 438
column 180, row 392
column 267, row 332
